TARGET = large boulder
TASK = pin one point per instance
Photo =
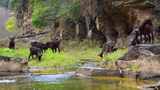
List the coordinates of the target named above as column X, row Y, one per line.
column 90, row 69
column 151, row 87
column 145, row 57
column 134, row 52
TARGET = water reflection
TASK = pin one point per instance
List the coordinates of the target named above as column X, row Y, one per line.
column 66, row 82
column 7, row 81
column 52, row 78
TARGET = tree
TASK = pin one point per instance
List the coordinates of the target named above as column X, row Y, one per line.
column 47, row 12
column 114, row 18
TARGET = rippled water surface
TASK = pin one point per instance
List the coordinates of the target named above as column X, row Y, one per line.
column 67, row 82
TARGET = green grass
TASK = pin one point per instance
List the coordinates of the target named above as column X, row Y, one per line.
column 22, row 52
column 54, row 59
column 70, row 57
column 115, row 55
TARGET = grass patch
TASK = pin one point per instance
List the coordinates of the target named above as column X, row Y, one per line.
column 54, row 59
column 134, row 68
column 69, row 58
column 115, row 55
column 22, row 52
column 72, row 54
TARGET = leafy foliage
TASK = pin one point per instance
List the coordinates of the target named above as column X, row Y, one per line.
column 39, row 8
column 46, row 12
column 115, row 55
column 14, row 53
column 11, row 24
column 12, row 4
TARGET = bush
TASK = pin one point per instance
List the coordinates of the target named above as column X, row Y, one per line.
column 11, row 24
column 47, row 12
column 115, row 55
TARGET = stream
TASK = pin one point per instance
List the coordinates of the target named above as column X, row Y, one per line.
column 66, row 81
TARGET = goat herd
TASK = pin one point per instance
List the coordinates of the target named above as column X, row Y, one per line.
column 141, row 34
column 38, row 48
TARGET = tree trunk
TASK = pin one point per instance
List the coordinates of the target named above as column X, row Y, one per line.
column 77, row 30
column 89, row 31
column 24, row 16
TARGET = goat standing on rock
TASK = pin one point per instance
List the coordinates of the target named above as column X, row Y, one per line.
column 142, row 34
column 146, row 30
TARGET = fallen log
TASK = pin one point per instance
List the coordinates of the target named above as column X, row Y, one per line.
column 32, row 35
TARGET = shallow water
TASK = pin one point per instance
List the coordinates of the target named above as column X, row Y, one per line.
column 67, row 82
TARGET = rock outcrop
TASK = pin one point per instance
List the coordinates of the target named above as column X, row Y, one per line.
column 90, row 69
column 134, row 52
column 11, row 66
column 151, row 87
column 141, row 61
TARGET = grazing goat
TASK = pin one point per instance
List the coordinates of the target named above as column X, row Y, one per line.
column 39, row 45
column 107, row 48
column 35, row 51
column 54, row 45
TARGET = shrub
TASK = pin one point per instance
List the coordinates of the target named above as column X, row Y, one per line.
column 11, row 24
column 115, row 55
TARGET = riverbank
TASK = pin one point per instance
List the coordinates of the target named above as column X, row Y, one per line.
column 65, row 58
column 73, row 54
column 65, row 81
column 71, row 59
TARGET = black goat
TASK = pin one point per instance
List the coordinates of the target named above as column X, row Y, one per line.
column 134, row 37
column 11, row 43
column 146, row 30
column 54, row 45
column 39, row 45
column 35, row 51
column 107, row 48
